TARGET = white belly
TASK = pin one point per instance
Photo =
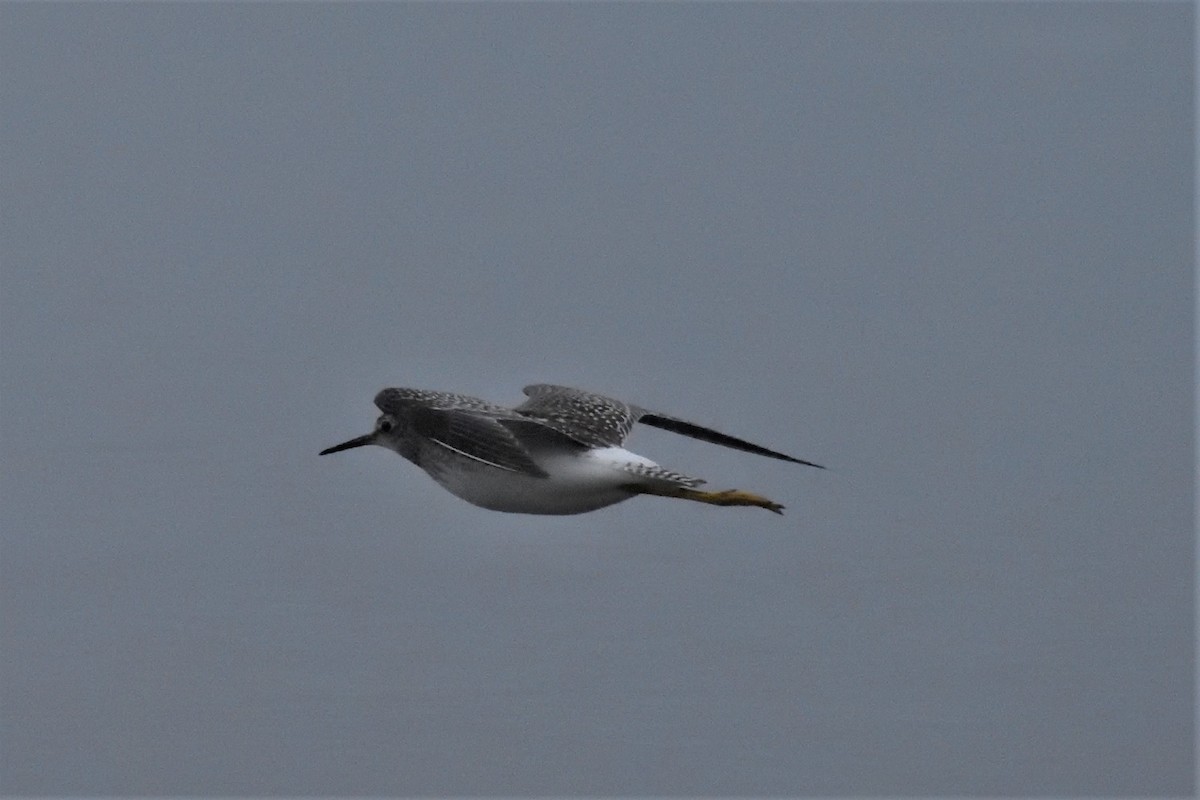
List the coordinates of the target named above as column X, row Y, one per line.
column 576, row 484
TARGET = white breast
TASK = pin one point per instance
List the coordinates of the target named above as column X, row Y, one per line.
column 576, row 483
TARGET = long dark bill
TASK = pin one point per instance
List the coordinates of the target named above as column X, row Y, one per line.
column 359, row 442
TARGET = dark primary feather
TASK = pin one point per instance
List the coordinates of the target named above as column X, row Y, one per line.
column 716, row 437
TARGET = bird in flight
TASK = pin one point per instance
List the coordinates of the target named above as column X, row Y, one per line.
column 559, row 452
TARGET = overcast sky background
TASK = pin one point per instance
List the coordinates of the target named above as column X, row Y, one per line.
column 945, row 249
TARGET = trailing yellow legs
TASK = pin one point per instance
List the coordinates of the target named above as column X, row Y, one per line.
column 727, row 497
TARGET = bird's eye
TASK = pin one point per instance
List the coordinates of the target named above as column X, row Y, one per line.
column 385, row 425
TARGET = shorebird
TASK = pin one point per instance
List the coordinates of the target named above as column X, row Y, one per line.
column 559, row 452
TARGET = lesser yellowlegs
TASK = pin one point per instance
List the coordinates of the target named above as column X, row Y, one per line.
column 559, row 452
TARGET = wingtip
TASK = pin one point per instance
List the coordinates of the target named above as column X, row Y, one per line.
column 802, row 462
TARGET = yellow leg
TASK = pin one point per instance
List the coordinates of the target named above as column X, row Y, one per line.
column 731, row 497
column 728, row 497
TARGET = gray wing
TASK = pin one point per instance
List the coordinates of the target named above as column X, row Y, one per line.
column 596, row 420
column 591, row 419
column 540, row 438
column 476, row 436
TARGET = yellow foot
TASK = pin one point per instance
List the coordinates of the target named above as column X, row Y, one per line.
column 732, row 497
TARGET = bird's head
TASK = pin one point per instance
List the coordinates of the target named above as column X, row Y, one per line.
column 388, row 433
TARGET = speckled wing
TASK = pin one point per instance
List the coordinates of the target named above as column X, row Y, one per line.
column 396, row 401
column 600, row 421
column 591, row 419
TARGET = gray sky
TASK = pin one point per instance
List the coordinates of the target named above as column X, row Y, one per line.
column 945, row 249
